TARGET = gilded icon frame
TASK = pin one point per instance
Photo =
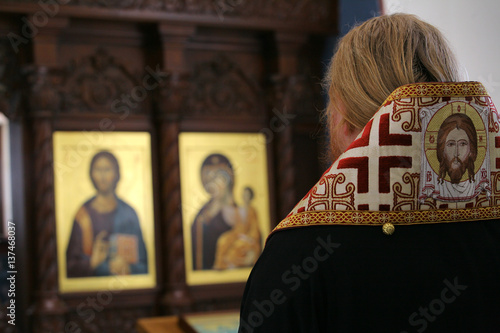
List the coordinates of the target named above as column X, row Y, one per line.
column 76, row 189
column 229, row 257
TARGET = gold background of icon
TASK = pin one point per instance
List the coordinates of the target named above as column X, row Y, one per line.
column 73, row 152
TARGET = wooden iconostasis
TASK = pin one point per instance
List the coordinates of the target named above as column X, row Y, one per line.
column 151, row 81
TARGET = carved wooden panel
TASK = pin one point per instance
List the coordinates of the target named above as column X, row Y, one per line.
column 163, row 66
column 219, row 88
column 308, row 10
column 98, row 82
column 94, row 84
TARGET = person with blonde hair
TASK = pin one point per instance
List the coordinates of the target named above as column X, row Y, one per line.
column 378, row 245
column 374, row 59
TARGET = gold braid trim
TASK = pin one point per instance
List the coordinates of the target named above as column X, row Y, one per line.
column 438, row 89
column 379, row 218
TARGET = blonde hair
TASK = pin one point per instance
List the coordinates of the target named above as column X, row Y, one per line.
column 380, row 55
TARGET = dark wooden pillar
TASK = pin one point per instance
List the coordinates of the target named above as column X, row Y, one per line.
column 49, row 310
column 284, row 113
column 46, row 40
column 174, row 38
column 171, row 104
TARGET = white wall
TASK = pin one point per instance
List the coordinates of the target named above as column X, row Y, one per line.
column 472, row 28
column 6, row 174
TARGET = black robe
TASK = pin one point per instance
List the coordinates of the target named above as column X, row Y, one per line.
column 329, row 267
column 432, row 278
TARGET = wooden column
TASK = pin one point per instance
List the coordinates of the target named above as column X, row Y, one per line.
column 49, row 308
column 46, row 38
column 172, row 103
column 288, row 46
column 174, row 38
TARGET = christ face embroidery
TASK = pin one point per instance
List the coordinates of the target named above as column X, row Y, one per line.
column 455, row 163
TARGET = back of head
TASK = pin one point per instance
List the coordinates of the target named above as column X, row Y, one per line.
column 381, row 55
